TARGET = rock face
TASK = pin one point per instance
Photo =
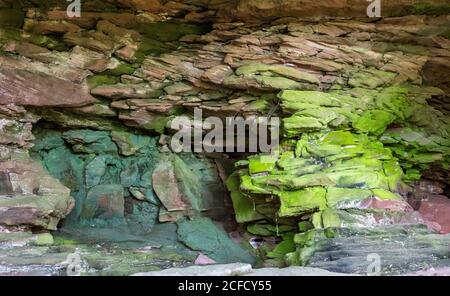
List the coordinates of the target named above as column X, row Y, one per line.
column 254, row 10
column 104, row 202
column 235, row 269
column 398, row 249
column 24, row 88
column 239, row 269
column 363, row 103
column 435, row 209
column 201, row 234
column 29, row 195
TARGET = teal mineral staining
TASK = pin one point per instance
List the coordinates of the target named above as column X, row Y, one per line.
column 94, row 167
column 110, row 177
column 89, row 142
column 202, row 234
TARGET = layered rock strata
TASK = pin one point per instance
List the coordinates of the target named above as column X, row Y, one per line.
column 364, row 106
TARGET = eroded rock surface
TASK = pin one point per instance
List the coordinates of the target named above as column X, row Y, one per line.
column 29, row 196
column 365, row 123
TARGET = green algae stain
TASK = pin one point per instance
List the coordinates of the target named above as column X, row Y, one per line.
column 51, row 43
column 122, row 69
column 97, row 80
column 166, row 32
column 11, row 18
column 428, row 9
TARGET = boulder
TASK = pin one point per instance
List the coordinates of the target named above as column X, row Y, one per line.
column 400, row 248
column 436, row 211
column 104, row 202
column 201, row 234
column 168, row 187
column 88, row 141
column 29, row 196
column 22, row 87
column 235, row 269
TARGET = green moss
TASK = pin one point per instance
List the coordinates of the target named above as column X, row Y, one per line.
column 151, row 47
column 304, row 226
column 122, row 69
column 11, row 18
column 308, row 200
column 412, row 175
column 279, row 82
column 330, row 218
column 40, row 40
column 374, row 121
column 44, row 239
column 429, row 9
column 446, row 34
column 283, row 248
column 288, row 72
column 244, row 206
column 386, row 195
column 63, row 241
column 346, row 197
column 157, row 124
column 259, row 105
column 262, row 163
column 164, row 31
column 97, row 80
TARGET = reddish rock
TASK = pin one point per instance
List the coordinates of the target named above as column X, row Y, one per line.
column 105, row 202
column 84, row 58
column 167, row 187
column 29, row 196
column 217, row 74
column 127, row 52
column 248, row 10
column 120, row 91
column 21, row 87
column 28, row 50
column 93, row 40
column 204, row 260
column 56, row 27
column 389, row 204
column 147, row 5
column 436, row 211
